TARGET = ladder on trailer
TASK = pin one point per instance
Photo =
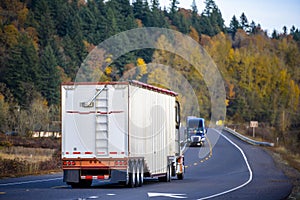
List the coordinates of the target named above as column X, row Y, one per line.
column 101, row 132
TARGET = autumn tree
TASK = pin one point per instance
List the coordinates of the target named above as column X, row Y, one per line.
column 4, row 109
column 39, row 112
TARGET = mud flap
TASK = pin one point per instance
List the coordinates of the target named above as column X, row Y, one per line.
column 71, row 176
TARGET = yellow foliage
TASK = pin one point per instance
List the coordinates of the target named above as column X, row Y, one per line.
column 108, row 70
column 227, row 102
column 11, row 35
column 33, row 34
column 1, row 97
column 231, row 54
column 89, row 47
column 142, row 66
column 108, row 59
column 231, row 91
column 45, row 103
column 194, row 34
column 294, row 95
column 139, row 23
column 22, row 15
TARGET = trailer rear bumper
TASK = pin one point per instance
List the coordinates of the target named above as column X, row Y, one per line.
column 111, row 175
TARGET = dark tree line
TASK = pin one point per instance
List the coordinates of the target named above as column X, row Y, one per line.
column 44, row 41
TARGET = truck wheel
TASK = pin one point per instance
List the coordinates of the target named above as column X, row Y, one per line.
column 132, row 175
column 169, row 174
column 167, row 177
column 180, row 176
column 140, row 175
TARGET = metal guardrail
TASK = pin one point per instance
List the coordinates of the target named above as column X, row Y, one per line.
column 246, row 139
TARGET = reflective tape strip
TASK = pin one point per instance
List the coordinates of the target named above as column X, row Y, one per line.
column 93, row 112
column 104, row 177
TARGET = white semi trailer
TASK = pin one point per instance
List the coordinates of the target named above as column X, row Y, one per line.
column 119, row 131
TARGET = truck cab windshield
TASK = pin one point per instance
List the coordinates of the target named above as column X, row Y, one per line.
column 195, row 126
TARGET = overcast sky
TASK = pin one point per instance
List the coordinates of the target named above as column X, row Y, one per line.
column 270, row 14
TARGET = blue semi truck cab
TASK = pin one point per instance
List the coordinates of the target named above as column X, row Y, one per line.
column 195, row 129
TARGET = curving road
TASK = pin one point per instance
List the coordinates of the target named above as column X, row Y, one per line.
column 225, row 168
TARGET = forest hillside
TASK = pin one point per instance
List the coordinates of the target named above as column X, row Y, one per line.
column 44, row 42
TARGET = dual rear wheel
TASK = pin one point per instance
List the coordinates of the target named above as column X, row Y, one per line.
column 136, row 174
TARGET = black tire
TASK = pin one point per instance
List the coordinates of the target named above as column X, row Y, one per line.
column 132, row 175
column 167, row 177
column 140, row 174
column 180, row 176
column 169, row 174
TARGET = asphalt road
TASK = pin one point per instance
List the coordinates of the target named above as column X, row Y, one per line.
column 225, row 168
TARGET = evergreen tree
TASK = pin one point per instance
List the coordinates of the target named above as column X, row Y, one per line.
column 211, row 19
column 174, row 7
column 234, row 26
column 253, row 27
column 59, row 12
column 49, row 85
column 89, row 22
column 292, row 30
column 210, row 7
column 138, row 9
column 284, row 30
column 156, row 17
column 111, row 23
column 45, row 25
column 155, row 5
column 194, row 7
column 123, row 14
column 244, row 22
column 195, row 19
column 275, row 34
column 141, row 10
column 296, row 35
column 21, row 70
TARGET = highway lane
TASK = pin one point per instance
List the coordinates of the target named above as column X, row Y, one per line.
column 220, row 172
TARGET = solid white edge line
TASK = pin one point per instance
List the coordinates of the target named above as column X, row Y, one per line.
column 248, row 166
column 26, row 182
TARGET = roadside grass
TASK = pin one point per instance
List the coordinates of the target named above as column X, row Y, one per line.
column 290, row 164
column 21, row 156
column 31, row 155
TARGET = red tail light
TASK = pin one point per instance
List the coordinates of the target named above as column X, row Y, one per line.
column 69, row 163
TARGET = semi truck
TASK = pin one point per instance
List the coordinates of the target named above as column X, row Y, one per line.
column 120, row 132
column 195, row 129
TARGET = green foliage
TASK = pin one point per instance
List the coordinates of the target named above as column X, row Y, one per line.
column 21, row 70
